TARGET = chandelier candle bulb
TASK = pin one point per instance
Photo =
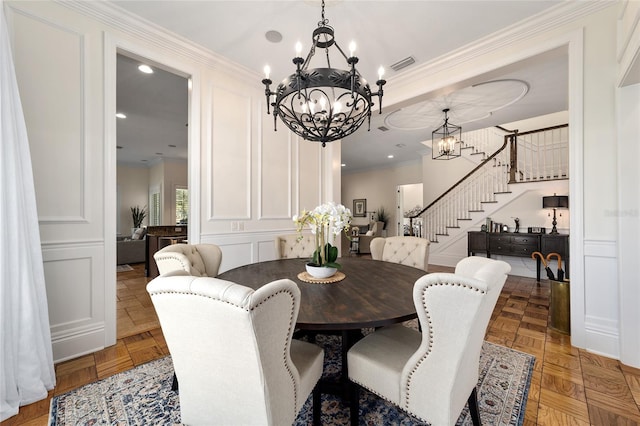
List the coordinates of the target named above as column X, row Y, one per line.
column 380, row 73
column 267, row 71
column 352, row 48
column 298, row 49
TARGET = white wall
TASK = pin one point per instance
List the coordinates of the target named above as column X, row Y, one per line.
column 440, row 175
column 133, row 190
column 379, row 188
column 134, row 184
column 628, row 214
column 65, row 55
column 589, row 35
column 70, row 110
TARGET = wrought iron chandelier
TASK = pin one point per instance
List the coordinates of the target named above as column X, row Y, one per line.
column 323, row 104
column 446, row 140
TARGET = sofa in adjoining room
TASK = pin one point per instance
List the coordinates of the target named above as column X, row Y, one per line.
column 374, row 230
column 131, row 250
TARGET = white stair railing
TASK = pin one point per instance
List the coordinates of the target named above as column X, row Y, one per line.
column 542, row 155
column 478, row 187
column 537, row 155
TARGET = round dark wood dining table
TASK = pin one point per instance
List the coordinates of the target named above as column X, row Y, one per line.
column 372, row 294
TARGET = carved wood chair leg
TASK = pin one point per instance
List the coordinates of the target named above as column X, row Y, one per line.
column 354, row 404
column 317, row 406
column 473, row 408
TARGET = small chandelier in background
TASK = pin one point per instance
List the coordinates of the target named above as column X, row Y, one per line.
column 446, row 140
column 323, row 104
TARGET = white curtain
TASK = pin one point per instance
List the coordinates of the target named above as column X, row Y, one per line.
column 26, row 360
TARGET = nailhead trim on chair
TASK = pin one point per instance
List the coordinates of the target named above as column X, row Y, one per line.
column 386, row 399
column 284, row 352
column 424, row 357
column 289, row 331
column 172, row 256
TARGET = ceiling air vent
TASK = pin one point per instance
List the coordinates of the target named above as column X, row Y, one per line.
column 383, row 129
column 403, row 63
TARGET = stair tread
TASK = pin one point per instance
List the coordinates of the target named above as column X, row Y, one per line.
column 476, row 211
column 503, row 192
column 492, row 202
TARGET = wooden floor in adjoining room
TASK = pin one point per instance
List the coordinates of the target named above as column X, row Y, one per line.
column 569, row 386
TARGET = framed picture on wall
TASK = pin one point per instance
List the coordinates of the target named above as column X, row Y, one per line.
column 360, row 207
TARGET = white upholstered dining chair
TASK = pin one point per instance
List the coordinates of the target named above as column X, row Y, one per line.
column 199, row 260
column 410, row 251
column 431, row 374
column 295, row 245
column 232, row 350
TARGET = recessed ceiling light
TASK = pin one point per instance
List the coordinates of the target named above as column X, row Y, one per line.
column 144, row 161
column 118, row 147
column 145, row 69
column 273, row 36
column 343, row 165
column 390, row 156
column 400, row 145
column 120, row 115
column 172, row 146
column 158, row 153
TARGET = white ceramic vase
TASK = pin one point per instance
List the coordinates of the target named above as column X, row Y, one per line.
column 320, row 271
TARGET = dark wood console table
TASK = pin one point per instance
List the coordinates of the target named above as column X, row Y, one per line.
column 159, row 237
column 520, row 245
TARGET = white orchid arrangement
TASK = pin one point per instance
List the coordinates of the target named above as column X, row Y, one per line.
column 326, row 219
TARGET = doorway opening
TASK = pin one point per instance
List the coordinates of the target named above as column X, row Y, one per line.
column 409, row 202
column 152, row 175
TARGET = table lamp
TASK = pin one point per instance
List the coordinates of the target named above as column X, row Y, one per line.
column 555, row 202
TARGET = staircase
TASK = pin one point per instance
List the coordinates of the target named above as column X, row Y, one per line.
column 534, row 156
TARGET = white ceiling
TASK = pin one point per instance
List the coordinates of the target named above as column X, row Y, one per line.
column 385, row 32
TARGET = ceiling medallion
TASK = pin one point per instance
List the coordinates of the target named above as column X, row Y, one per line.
column 323, row 104
column 467, row 105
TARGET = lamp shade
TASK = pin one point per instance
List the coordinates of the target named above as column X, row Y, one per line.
column 555, row 202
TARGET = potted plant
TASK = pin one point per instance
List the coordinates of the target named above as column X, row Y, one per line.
column 138, row 214
column 326, row 219
column 383, row 216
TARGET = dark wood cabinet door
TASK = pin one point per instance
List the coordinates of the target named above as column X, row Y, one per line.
column 476, row 242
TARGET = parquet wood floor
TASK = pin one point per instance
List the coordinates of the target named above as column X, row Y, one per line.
column 569, row 386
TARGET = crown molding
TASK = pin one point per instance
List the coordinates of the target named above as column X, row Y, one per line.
column 133, row 25
column 548, row 20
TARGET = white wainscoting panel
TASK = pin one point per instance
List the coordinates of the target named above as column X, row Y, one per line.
column 309, row 175
column 601, row 298
column 240, row 249
column 267, row 249
column 275, row 171
column 230, row 150
column 74, row 277
column 56, row 135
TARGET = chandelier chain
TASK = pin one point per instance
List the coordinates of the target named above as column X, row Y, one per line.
column 324, row 21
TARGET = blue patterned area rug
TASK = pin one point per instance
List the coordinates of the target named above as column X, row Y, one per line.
column 143, row 395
